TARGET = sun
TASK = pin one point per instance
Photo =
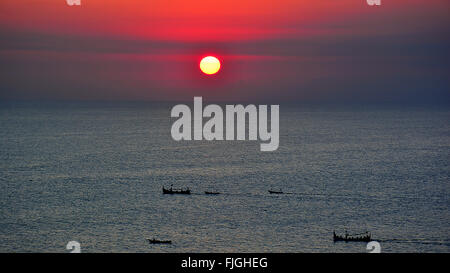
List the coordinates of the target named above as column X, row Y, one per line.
column 210, row 65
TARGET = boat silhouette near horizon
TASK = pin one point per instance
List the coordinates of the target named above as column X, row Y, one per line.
column 362, row 237
column 176, row 191
column 155, row 241
column 276, row 192
column 212, row 192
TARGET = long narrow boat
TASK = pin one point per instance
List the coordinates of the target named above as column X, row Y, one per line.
column 275, row 192
column 363, row 237
column 154, row 241
column 212, row 192
column 176, row 191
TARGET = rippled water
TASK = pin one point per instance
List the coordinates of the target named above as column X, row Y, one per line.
column 93, row 173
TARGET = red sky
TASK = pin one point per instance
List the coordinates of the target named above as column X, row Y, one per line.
column 278, row 50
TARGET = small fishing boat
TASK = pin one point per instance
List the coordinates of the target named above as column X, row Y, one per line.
column 362, row 237
column 275, row 192
column 176, row 191
column 154, row 241
column 212, row 192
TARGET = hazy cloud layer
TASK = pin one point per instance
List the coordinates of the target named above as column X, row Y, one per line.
column 397, row 55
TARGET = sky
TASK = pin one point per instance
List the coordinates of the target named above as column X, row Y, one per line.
column 285, row 50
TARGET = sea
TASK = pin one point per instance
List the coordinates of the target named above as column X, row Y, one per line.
column 93, row 172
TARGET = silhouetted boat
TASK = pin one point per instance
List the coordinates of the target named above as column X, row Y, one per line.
column 212, row 192
column 154, row 241
column 363, row 237
column 275, row 192
column 176, row 191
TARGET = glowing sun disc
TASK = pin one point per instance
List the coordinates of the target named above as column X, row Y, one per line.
column 210, row 65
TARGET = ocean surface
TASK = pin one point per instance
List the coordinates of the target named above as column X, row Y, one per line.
column 93, row 173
